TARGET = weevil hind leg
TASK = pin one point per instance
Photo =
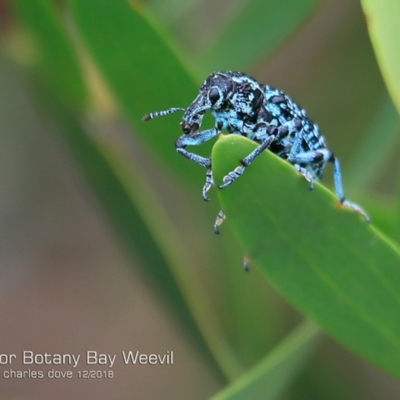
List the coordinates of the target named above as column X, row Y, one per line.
column 340, row 192
column 322, row 156
column 355, row 207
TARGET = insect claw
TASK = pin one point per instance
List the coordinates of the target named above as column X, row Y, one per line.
column 227, row 178
column 231, row 177
column 208, row 185
column 355, row 207
column 218, row 221
column 205, row 197
column 246, row 264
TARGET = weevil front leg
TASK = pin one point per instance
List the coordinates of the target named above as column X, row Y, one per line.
column 325, row 155
column 195, row 139
column 208, row 184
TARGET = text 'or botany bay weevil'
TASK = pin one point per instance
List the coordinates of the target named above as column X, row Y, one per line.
column 242, row 106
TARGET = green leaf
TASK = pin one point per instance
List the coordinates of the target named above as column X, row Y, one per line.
column 253, row 32
column 143, row 70
column 271, row 376
column 382, row 209
column 172, row 10
column 57, row 61
column 327, row 261
column 383, row 21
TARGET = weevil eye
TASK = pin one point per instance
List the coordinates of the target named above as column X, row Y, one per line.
column 213, row 95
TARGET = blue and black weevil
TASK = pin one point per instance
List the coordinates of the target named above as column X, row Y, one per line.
column 243, row 106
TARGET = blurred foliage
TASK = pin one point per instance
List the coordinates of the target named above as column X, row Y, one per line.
column 95, row 63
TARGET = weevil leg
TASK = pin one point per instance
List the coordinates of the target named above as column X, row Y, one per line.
column 311, row 158
column 304, row 172
column 208, row 185
column 219, row 220
column 263, row 134
column 340, row 192
column 233, row 175
column 257, row 151
column 322, row 156
column 195, row 139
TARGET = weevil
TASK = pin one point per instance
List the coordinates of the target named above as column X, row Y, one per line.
column 264, row 114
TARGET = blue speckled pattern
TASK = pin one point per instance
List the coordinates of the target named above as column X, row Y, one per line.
column 243, row 106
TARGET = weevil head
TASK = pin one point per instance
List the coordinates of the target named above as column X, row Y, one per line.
column 229, row 91
column 213, row 95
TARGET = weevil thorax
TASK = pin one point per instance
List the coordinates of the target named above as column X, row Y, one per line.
column 246, row 98
column 232, row 98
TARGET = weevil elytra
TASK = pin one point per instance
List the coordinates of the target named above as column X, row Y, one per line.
column 242, row 106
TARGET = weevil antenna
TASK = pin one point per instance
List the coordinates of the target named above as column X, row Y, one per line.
column 155, row 114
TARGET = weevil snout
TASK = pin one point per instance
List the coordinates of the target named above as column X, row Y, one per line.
column 189, row 128
column 193, row 117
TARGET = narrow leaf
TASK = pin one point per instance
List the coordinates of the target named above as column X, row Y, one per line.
column 255, row 30
column 57, row 61
column 143, row 70
column 270, row 377
column 171, row 11
column 327, row 261
column 383, row 21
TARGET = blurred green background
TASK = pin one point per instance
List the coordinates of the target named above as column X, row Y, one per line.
column 105, row 241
